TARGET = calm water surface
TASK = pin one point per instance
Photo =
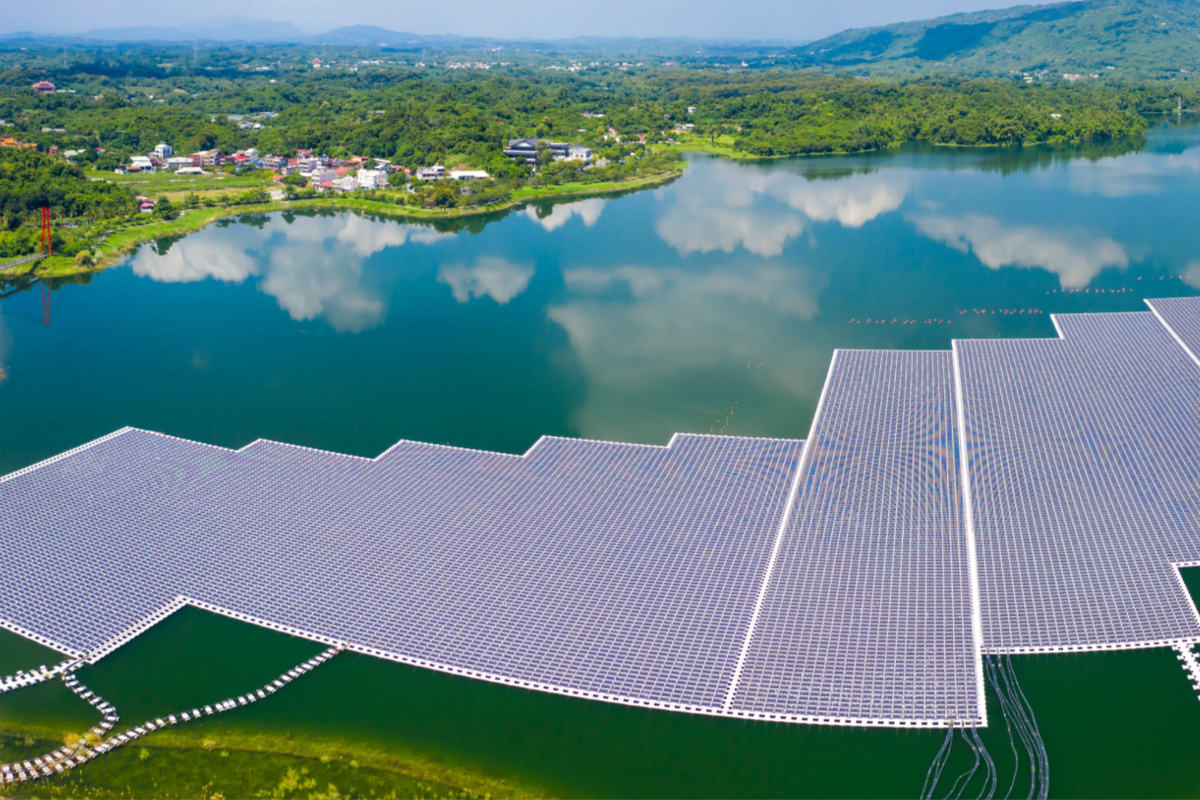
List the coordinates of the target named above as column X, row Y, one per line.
column 711, row 304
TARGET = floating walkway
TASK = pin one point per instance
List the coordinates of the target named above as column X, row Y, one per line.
column 1191, row 665
column 100, row 739
column 21, row 679
column 1008, row 496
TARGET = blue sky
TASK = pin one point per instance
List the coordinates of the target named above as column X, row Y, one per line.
column 742, row 19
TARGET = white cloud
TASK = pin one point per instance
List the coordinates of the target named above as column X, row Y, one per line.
column 852, row 201
column 1075, row 257
column 1131, row 174
column 491, row 277
column 367, row 237
column 722, row 207
column 560, row 214
column 313, row 266
column 218, row 254
column 643, row 337
column 310, row 284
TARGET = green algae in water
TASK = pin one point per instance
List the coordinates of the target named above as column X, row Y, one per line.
column 208, row 774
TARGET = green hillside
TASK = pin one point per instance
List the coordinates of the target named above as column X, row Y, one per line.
column 1138, row 39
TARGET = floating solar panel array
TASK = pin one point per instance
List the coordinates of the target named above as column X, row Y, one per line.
column 867, row 618
column 1012, row 496
column 619, row 572
column 1084, row 462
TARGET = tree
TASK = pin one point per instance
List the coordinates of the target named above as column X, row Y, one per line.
column 165, row 208
column 295, row 179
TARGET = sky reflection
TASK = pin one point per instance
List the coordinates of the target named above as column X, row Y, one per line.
column 725, row 205
column 312, row 266
column 1076, row 256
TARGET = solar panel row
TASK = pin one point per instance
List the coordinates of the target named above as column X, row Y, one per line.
column 868, row 613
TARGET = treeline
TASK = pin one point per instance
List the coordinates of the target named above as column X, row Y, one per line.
column 31, row 181
column 841, row 115
column 418, row 117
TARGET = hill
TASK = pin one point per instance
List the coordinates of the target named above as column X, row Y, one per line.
column 1139, row 39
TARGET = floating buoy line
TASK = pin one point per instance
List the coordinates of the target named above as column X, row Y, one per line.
column 94, row 744
column 1003, row 311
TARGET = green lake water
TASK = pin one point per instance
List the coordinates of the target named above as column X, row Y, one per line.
column 710, row 304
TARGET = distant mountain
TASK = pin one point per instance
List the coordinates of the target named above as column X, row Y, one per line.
column 229, row 29
column 373, row 36
column 1140, row 38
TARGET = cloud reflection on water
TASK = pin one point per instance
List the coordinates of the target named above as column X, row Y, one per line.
column 313, row 267
column 643, row 332
column 561, row 213
column 722, row 206
column 1133, row 174
column 1075, row 257
column 1191, row 274
column 496, row 278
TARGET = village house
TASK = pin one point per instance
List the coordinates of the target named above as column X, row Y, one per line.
column 469, row 175
column 371, row 179
column 207, row 158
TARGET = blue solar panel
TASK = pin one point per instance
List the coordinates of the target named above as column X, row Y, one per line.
column 868, row 614
column 1084, row 457
column 584, row 567
column 1181, row 317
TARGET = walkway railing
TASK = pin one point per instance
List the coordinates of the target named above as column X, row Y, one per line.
column 21, row 261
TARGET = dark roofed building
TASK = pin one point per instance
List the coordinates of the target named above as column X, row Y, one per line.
column 526, row 149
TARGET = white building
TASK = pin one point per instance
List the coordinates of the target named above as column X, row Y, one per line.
column 578, row 152
column 691, row 109
column 175, row 163
column 142, row 163
column 371, row 179
column 434, row 173
column 469, row 175
column 163, row 151
column 346, row 184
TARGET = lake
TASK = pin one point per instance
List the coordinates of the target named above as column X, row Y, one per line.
column 712, row 304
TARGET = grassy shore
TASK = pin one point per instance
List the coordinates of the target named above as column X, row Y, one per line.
column 723, row 146
column 201, row 762
column 119, row 243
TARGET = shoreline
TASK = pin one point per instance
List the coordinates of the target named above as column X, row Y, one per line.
column 117, row 244
column 303, row 748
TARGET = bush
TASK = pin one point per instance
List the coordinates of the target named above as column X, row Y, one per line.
column 165, row 209
column 84, row 259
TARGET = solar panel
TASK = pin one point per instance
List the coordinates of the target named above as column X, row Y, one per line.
column 868, row 615
column 1181, row 317
column 1084, row 457
column 620, row 571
